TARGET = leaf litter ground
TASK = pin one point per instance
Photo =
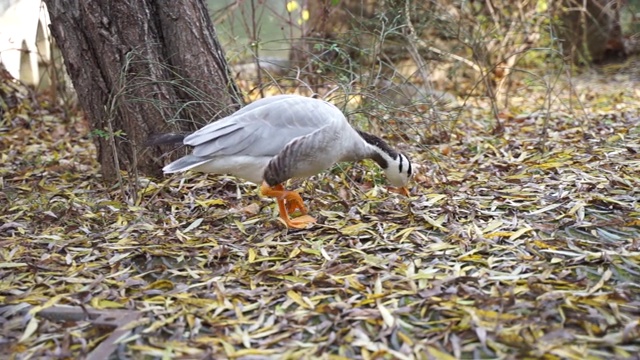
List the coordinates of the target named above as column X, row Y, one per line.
column 503, row 251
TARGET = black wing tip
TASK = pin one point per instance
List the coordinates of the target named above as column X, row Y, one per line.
column 165, row 139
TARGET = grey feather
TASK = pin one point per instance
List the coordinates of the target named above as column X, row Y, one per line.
column 269, row 124
column 184, row 163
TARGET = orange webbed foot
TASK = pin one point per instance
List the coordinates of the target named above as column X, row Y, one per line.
column 301, row 222
column 288, row 202
column 399, row 190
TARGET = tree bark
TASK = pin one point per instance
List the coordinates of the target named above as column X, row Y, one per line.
column 142, row 68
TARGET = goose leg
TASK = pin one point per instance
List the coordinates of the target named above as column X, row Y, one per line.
column 293, row 202
column 292, row 206
column 292, row 199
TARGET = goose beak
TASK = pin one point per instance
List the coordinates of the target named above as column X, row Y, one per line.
column 400, row 190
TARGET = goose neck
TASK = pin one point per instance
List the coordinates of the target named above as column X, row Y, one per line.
column 373, row 147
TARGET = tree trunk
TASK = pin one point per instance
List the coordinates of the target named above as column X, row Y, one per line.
column 142, row 68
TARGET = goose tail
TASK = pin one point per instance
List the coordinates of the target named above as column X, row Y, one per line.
column 184, row 163
column 165, row 139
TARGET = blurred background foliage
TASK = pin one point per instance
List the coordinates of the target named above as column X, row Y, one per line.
column 423, row 57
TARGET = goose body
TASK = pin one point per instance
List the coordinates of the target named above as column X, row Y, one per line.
column 281, row 137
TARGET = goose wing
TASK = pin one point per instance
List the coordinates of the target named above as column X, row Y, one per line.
column 264, row 127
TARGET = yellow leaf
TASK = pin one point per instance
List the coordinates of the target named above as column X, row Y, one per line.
column 12, row 265
column 377, row 286
column 545, row 209
column 228, row 348
column 405, row 339
column 437, row 354
column 492, row 226
column 375, row 260
column 437, row 224
column 543, row 245
column 32, row 326
column 498, row 234
column 550, row 165
column 576, row 207
column 634, row 222
column 365, row 353
column 193, row 225
column 355, row 229
column 163, row 322
column 310, row 251
column 295, row 279
column 240, row 226
column 387, row 317
column 404, row 233
column 615, row 138
column 51, row 302
column 255, row 352
column 252, row 255
column 292, row 6
column 186, row 299
column 293, row 253
column 494, row 315
column 542, row 6
column 325, row 254
column 433, row 199
column 519, row 233
column 147, row 350
column 105, row 304
column 605, row 277
column 160, row 285
column 512, row 338
column 293, row 295
column 270, row 258
column 355, row 284
column 209, row 202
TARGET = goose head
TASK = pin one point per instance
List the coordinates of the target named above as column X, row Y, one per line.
column 398, row 172
column 397, row 166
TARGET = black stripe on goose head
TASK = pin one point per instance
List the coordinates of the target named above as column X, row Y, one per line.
column 380, row 144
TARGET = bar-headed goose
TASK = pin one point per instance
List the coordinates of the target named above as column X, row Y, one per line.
column 281, row 137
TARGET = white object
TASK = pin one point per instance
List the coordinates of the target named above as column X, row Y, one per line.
column 24, row 38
